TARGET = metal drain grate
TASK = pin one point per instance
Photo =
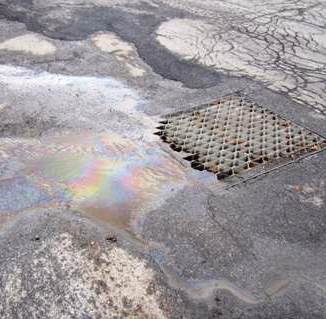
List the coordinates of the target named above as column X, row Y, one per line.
column 233, row 134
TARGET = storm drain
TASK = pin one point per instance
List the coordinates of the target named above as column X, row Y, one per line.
column 233, row 134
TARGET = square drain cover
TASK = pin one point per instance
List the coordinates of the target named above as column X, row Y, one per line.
column 233, row 134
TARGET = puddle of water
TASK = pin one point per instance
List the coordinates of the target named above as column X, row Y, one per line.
column 112, row 179
column 108, row 177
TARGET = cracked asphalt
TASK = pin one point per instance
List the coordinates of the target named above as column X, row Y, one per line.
column 101, row 219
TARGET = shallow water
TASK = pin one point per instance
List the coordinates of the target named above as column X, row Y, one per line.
column 109, row 178
column 106, row 176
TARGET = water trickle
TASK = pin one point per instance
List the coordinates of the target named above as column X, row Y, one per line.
column 200, row 290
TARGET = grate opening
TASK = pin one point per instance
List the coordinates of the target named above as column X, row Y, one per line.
column 233, row 134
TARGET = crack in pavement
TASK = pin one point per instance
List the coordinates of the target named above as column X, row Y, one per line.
column 284, row 48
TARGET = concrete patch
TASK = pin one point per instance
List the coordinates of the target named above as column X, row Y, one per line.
column 109, row 42
column 29, row 44
column 124, row 52
column 122, row 280
column 98, row 283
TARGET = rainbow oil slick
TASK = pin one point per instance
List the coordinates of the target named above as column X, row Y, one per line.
column 106, row 176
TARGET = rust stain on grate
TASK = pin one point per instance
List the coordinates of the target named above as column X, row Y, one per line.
column 233, row 134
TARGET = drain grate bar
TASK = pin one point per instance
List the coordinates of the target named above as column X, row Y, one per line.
column 233, row 134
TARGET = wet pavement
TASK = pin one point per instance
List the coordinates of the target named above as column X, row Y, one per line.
column 99, row 218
